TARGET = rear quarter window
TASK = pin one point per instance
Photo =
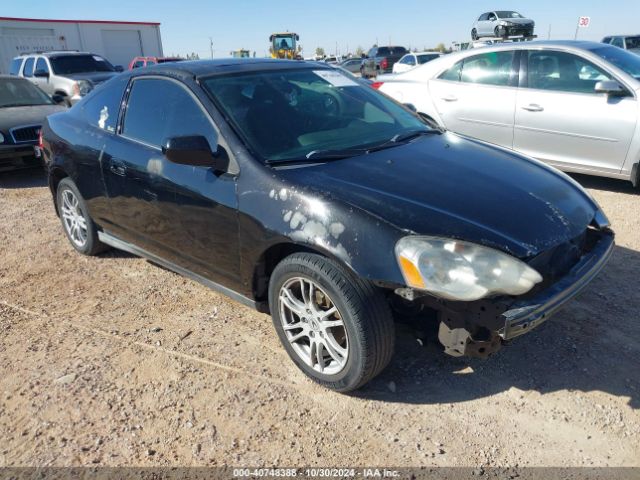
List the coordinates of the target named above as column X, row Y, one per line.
column 102, row 106
column 27, row 70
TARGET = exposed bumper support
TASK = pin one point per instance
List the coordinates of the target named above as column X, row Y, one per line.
column 526, row 315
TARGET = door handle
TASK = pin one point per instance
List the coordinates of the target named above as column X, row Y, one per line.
column 118, row 168
column 450, row 98
column 533, row 107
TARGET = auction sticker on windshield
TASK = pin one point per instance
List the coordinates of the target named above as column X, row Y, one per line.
column 335, row 78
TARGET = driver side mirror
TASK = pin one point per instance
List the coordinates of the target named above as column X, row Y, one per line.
column 196, row 151
column 610, row 87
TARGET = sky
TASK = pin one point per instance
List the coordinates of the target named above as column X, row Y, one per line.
column 341, row 25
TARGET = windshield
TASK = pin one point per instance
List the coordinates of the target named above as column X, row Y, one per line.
column 508, row 14
column 426, row 58
column 283, row 43
column 16, row 92
column 633, row 43
column 297, row 114
column 624, row 60
column 69, row 64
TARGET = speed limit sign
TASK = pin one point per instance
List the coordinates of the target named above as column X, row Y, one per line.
column 583, row 22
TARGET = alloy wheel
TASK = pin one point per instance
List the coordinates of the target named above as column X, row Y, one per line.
column 313, row 325
column 74, row 221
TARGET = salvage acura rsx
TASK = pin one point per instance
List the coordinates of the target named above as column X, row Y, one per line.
column 292, row 188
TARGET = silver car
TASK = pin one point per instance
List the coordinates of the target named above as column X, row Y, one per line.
column 573, row 105
column 502, row 23
column 69, row 74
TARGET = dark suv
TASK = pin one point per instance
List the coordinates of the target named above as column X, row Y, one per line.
column 294, row 189
column 381, row 60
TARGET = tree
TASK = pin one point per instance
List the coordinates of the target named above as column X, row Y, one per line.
column 359, row 51
column 441, row 48
column 320, row 52
column 193, row 56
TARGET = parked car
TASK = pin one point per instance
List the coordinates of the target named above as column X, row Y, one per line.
column 381, row 60
column 331, row 60
column 70, row 74
column 628, row 42
column 412, row 60
column 351, row 64
column 573, row 105
column 23, row 107
column 502, row 23
column 139, row 62
column 239, row 174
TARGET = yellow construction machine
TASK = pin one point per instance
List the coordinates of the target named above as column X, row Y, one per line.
column 285, row 45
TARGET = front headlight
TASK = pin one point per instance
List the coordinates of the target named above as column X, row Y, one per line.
column 459, row 270
column 82, row 87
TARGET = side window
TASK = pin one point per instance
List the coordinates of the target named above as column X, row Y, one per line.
column 483, row 17
column 493, row 68
column 453, row 73
column 15, row 66
column 41, row 64
column 158, row 109
column 606, row 40
column 411, row 60
column 491, row 17
column 564, row 72
column 138, row 64
column 27, row 70
column 617, row 42
column 102, row 107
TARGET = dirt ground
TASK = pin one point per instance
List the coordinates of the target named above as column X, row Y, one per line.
column 113, row 361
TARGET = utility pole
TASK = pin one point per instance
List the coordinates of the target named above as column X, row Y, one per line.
column 211, row 46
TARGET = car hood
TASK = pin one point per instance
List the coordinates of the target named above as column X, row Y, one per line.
column 445, row 185
column 93, row 77
column 33, row 115
column 517, row 21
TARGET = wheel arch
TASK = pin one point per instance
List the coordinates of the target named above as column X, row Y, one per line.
column 274, row 254
column 56, row 175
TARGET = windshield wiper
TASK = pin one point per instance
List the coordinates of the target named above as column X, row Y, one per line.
column 335, row 154
column 402, row 138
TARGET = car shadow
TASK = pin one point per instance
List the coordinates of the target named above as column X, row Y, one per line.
column 591, row 345
column 33, row 177
column 603, row 183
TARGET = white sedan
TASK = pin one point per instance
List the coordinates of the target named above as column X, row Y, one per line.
column 412, row 60
column 573, row 105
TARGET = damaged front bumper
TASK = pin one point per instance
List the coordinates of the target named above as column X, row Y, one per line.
column 524, row 316
column 478, row 329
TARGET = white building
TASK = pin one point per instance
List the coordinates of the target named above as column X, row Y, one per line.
column 118, row 42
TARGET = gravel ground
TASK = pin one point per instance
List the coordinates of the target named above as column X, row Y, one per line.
column 113, row 361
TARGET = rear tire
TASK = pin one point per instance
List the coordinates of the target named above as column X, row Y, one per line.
column 355, row 340
column 76, row 222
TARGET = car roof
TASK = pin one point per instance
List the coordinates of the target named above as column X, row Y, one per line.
column 202, row 68
column 561, row 44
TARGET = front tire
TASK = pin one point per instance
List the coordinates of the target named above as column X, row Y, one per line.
column 76, row 222
column 336, row 328
column 474, row 34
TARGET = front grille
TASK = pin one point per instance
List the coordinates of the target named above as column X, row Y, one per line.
column 26, row 134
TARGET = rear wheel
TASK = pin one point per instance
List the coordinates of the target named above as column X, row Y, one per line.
column 76, row 222
column 337, row 329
